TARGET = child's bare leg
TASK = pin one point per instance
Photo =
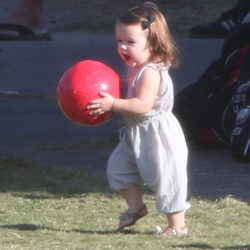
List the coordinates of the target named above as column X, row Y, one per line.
column 136, row 208
column 176, row 224
column 133, row 197
column 176, row 220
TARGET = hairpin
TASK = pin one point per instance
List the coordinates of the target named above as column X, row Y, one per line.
column 145, row 24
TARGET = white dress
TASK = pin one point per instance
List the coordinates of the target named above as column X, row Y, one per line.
column 152, row 150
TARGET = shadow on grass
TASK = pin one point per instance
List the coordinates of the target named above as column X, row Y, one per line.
column 206, row 246
column 30, row 180
column 214, row 175
column 33, row 227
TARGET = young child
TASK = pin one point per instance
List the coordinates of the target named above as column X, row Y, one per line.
column 152, row 149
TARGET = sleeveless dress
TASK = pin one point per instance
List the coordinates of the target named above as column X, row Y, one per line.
column 152, row 149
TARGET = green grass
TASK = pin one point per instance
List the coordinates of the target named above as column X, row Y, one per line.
column 47, row 208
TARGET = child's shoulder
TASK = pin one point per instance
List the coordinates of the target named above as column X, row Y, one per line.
column 151, row 69
column 157, row 66
column 149, row 72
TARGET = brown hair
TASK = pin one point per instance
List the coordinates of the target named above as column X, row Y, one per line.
column 160, row 41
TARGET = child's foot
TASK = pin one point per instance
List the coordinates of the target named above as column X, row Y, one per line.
column 170, row 232
column 128, row 219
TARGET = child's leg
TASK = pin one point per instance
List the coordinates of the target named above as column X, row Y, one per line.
column 136, row 207
column 133, row 197
column 176, row 225
column 176, row 220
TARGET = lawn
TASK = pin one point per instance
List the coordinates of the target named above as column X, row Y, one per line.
column 43, row 207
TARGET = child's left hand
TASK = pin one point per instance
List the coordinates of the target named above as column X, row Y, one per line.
column 101, row 105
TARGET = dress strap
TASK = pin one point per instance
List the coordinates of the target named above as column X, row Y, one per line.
column 152, row 65
column 155, row 66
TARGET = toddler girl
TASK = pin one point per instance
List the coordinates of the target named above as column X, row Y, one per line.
column 152, row 149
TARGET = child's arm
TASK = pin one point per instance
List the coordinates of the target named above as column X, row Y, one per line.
column 143, row 102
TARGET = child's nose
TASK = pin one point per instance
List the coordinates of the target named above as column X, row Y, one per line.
column 123, row 46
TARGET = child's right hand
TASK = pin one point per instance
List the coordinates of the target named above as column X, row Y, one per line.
column 101, row 105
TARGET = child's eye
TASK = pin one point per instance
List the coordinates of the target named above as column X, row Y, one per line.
column 131, row 42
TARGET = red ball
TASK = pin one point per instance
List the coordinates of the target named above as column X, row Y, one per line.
column 82, row 83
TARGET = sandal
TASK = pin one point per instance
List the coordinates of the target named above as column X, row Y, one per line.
column 170, row 232
column 128, row 219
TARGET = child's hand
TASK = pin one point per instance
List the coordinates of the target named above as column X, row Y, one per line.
column 101, row 105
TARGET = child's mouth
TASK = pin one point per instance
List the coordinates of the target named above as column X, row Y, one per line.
column 126, row 57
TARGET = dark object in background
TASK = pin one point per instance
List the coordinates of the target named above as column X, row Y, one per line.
column 207, row 109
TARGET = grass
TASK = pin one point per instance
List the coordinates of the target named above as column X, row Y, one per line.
column 46, row 208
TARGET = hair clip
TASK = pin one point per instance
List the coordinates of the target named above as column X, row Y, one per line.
column 145, row 24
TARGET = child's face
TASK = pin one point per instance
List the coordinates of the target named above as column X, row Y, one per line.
column 132, row 44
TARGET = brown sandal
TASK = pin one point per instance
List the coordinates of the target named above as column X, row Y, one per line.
column 170, row 232
column 128, row 219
